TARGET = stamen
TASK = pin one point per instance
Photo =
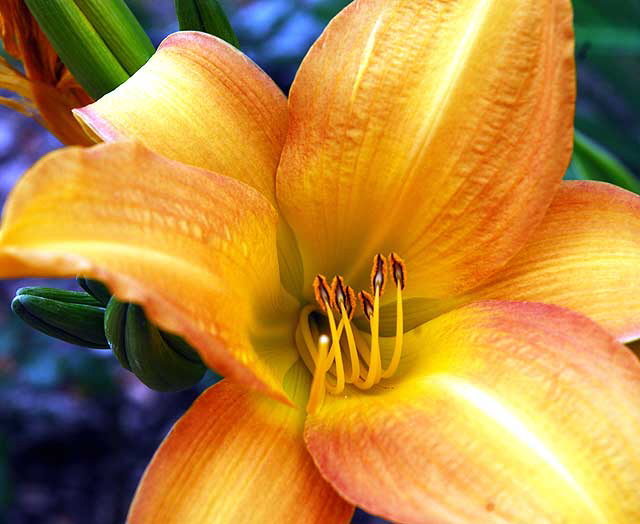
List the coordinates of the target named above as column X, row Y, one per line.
column 398, row 270
column 344, row 299
column 335, row 353
column 331, row 371
column 378, row 273
column 322, row 292
column 316, row 395
column 304, row 339
column 378, row 277
column 343, row 294
column 305, row 329
column 376, row 361
column 353, row 352
column 367, row 304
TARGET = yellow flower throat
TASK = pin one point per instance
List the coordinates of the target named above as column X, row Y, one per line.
column 342, row 356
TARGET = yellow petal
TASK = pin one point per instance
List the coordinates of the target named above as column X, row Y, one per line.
column 236, row 457
column 439, row 130
column 200, row 101
column 500, row 412
column 585, row 256
column 197, row 250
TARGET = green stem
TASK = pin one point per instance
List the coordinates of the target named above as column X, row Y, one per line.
column 207, row 16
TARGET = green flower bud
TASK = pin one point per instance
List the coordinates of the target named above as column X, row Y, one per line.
column 71, row 316
column 61, row 295
column 206, row 16
column 98, row 290
column 120, row 30
column 114, row 328
column 162, row 361
column 100, row 41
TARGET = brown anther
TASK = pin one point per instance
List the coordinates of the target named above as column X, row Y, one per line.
column 322, row 291
column 378, row 273
column 398, row 270
column 350, row 305
column 342, row 294
column 366, row 300
column 338, row 293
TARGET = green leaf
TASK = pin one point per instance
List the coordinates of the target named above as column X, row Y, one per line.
column 207, row 16
column 609, row 39
column 79, row 45
column 120, row 30
column 591, row 161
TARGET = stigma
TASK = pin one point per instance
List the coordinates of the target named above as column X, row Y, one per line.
column 335, row 352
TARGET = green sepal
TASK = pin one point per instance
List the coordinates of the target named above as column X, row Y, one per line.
column 114, row 323
column 162, row 361
column 96, row 289
column 79, row 45
column 207, row 16
column 61, row 295
column 120, row 30
column 78, row 324
column 152, row 360
column 180, row 346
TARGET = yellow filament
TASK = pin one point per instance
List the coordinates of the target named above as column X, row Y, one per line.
column 316, row 364
column 316, row 395
column 363, row 349
column 303, row 323
column 397, row 348
column 353, row 352
column 375, row 366
column 306, row 356
column 331, row 370
column 335, row 354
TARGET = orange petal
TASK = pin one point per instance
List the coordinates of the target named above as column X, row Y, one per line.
column 45, row 81
column 500, row 412
column 438, row 130
column 585, row 256
column 197, row 250
column 199, row 101
column 236, row 456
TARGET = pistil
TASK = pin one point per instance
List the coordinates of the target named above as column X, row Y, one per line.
column 316, row 395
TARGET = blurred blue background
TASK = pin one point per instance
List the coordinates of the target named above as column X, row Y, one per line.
column 76, row 430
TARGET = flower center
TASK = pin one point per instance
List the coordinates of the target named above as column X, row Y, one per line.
column 335, row 352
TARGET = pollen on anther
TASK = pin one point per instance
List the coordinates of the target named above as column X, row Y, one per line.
column 322, row 291
column 366, row 300
column 338, row 293
column 398, row 270
column 341, row 293
column 378, row 273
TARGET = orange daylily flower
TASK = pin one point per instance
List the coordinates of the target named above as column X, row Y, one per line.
column 431, row 138
column 46, row 87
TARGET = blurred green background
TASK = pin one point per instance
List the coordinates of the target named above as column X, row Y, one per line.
column 76, row 430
